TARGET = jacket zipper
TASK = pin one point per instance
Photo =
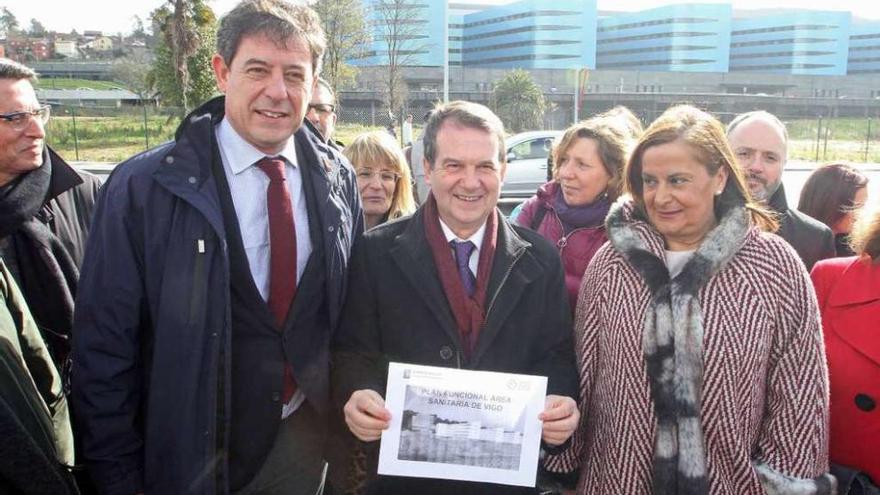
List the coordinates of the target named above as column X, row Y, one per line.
column 196, row 302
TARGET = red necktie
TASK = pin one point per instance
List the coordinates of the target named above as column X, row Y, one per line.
column 282, row 252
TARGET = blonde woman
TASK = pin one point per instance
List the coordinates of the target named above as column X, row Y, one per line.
column 383, row 177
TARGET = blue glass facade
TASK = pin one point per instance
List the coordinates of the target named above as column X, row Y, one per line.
column 531, row 34
column 425, row 27
column 798, row 42
column 864, row 48
column 566, row 34
column 687, row 38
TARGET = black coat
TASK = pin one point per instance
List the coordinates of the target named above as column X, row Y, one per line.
column 812, row 239
column 397, row 311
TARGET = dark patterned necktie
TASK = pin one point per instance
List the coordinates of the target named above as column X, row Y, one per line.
column 282, row 252
column 463, row 252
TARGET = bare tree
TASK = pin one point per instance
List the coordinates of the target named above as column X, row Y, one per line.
column 344, row 21
column 133, row 71
column 400, row 25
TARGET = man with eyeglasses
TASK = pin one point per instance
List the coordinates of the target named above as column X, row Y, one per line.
column 45, row 209
column 322, row 112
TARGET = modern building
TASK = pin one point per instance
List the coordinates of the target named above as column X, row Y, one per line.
column 530, row 34
column 809, row 42
column 572, row 34
column 680, row 38
column 415, row 30
column 864, row 48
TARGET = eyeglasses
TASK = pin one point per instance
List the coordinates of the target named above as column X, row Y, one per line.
column 367, row 175
column 322, row 107
column 19, row 120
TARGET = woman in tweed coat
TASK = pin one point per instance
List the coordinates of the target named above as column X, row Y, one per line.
column 701, row 358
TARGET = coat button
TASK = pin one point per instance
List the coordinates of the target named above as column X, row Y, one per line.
column 331, row 228
column 865, row 403
column 446, row 353
column 276, row 396
column 169, row 159
column 192, row 180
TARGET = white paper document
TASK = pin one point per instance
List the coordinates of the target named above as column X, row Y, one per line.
column 462, row 425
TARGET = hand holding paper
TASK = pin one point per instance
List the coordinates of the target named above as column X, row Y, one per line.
column 365, row 415
column 560, row 419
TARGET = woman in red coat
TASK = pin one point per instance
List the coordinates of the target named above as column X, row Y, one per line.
column 848, row 290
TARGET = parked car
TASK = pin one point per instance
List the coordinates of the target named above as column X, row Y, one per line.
column 527, row 162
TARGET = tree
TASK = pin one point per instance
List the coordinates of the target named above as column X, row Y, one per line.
column 400, row 25
column 518, row 101
column 181, row 72
column 344, row 22
column 133, row 71
column 37, row 29
column 8, row 22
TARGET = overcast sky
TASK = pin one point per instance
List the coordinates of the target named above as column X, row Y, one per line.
column 118, row 16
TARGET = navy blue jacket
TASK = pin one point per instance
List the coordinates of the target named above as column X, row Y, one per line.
column 152, row 353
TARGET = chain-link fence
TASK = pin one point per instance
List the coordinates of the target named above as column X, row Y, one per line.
column 113, row 134
column 109, row 134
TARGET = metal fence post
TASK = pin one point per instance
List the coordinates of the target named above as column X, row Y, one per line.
column 818, row 137
column 75, row 137
column 825, row 148
column 146, row 128
column 868, row 139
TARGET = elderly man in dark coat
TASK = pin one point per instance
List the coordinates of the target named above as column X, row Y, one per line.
column 45, row 209
column 497, row 304
column 760, row 142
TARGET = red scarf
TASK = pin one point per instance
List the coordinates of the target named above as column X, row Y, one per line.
column 469, row 312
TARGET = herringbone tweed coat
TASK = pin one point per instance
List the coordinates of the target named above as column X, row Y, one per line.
column 762, row 397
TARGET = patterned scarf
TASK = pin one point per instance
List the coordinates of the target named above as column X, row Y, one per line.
column 468, row 311
column 672, row 342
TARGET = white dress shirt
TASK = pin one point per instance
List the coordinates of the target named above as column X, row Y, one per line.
column 477, row 239
column 248, row 185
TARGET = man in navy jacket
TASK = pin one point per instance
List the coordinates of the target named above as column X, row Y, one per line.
column 192, row 372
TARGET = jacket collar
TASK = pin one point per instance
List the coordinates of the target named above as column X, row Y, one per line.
column 858, row 284
column 63, row 177
column 512, row 270
column 778, row 201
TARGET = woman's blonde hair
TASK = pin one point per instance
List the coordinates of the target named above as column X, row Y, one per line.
column 376, row 149
column 865, row 235
column 612, row 144
column 705, row 135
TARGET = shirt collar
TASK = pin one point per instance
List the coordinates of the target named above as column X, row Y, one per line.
column 240, row 154
column 477, row 238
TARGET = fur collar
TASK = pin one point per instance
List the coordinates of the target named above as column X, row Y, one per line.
column 672, row 343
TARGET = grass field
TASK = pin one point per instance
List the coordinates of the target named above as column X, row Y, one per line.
column 113, row 139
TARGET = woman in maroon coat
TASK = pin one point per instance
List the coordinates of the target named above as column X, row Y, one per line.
column 848, row 291
column 570, row 210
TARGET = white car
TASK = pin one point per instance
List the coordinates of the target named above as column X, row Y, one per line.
column 527, row 154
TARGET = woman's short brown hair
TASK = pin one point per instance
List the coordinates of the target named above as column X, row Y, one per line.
column 377, row 148
column 830, row 192
column 613, row 146
column 705, row 135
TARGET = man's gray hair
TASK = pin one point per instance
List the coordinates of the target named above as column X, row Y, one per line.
column 10, row 69
column 276, row 19
column 759, row 114
column 467, row 114
column 326, row 85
